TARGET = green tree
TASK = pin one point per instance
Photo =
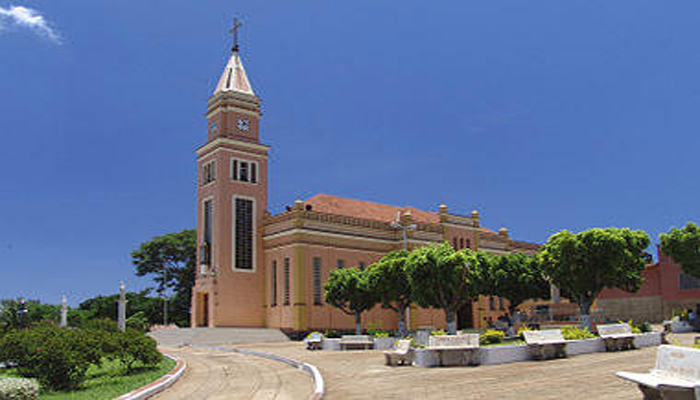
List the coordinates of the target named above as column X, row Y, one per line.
column 106, row 307
column 348, row 290
column 582, row 264
column 388, row 279
column 171, row 260
column 445, row 278
column 683, row 246
column 19, row 313
column 516, row 277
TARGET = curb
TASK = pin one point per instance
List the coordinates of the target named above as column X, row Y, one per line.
column 159, row 384
column 319, row 387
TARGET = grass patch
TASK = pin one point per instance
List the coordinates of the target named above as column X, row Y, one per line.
column 109, row 381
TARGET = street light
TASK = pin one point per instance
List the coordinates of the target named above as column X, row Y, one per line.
column 22, row 312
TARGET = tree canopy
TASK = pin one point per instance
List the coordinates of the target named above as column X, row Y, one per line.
column 388, row 279
column 171, row 261
column 348, row 290
column 444, row 278
column 582, row 264
column 683, row 246
column 516, row 277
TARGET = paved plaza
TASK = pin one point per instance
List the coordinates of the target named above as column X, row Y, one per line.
column 363, row 375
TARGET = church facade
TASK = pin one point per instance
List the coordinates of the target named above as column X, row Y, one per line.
column 262, row 270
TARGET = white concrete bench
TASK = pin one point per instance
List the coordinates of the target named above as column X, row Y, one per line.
column 545, row 344
column 455, row 349
column 349, row 342
column 403, row 355
column 675, row 376
column 617, row 336
column 314, row 341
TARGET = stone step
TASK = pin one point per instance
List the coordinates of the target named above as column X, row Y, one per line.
column 214, row 336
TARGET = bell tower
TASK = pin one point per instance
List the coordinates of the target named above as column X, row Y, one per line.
column 231, row 204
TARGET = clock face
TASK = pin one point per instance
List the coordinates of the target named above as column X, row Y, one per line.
column 243, row 124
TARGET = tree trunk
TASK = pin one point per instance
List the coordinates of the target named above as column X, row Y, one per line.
column 451, row 322
column 584, row 305
column 358, row 323
column 402, row 325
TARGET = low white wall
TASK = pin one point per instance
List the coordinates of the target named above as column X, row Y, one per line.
column 384, row 343
column 585, row 346
column 648, row 339
column 503, row 354
column 509, row 354
column 331, row 344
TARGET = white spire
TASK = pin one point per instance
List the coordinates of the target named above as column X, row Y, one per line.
column 234, row 78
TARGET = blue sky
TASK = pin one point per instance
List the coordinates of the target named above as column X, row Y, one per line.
column 544, row 115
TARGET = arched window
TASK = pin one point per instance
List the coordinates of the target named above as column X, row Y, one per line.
column 461, row 243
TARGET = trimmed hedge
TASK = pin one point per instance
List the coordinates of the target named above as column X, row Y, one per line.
column 18, row 389
column 59, row 357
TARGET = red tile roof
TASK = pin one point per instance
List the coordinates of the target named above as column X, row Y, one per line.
column 366, row 209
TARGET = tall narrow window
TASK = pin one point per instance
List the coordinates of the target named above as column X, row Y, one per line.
column 205, row 250
column 461, row 243
column 454, row 243
column 274, row 283
column 492, row 303
column 243, row 231
column 286, row 282
column 254, row 172
column 341, row 264
column 469, row 244
column 234, row 170
column 317, row 281
column 500, row 304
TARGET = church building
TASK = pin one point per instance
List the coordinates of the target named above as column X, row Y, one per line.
column 256, row 269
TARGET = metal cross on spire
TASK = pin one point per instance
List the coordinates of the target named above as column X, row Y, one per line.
column 234, row 30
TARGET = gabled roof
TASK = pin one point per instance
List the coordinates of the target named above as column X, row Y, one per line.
column 234, row 78
column 365, row 209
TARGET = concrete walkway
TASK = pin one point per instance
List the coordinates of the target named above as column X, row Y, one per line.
column 218, row 375
column 363, row 375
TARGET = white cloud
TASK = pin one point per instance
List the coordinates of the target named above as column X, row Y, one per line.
column 27, row 18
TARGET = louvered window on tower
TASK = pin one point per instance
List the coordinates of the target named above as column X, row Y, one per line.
column 317, row 282
column 274, row 283
column 208, row 172
column 244, row 234
column 286, row 282
column 244, row 171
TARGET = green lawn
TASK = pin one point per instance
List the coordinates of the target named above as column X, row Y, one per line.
column 108, row 381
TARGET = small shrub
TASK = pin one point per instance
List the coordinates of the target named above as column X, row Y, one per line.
column 138, row 321
column 332, row 334
column 382, row 334
column 133, row 346
column 523, row 329
column 576, row 333
column 18, row 389
column 644, row 327
column 101, row 324
column 438, row 332
column 491, row 336
column 633, row 327
column 314, row 332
